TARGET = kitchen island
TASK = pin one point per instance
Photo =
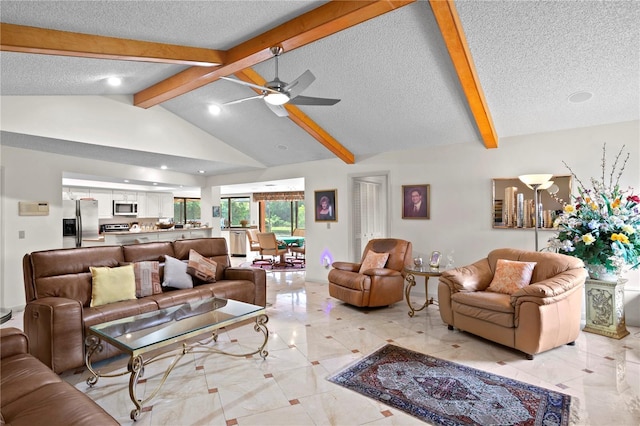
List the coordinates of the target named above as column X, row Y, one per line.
column 145, row 236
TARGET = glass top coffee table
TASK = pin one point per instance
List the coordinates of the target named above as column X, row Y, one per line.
column 140, row 334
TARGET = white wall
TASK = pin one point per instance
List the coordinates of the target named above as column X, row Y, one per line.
column 460, row 178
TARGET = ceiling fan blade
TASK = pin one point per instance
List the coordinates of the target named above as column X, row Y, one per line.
column 244, row 83
column 308, row 100
column 243, row 99
column 278, row 110
column 299, row 84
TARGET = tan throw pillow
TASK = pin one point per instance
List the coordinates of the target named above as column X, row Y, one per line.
column 374, row 260
column 110, row 285
column 147, row 278
column 511, row 276
column 201, row 267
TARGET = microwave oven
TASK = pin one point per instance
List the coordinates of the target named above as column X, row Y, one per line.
column 125, row 208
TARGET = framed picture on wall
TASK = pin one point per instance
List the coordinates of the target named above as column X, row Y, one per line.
column 326, row 209
column 215, row 211
column 415, row 201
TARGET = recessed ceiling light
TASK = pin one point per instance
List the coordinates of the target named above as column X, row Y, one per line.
column 155, row 183
column 200, row 171
column 214, row 109
column 114, row 81
column 126, row 181
column 579, row 97
column 163, row 167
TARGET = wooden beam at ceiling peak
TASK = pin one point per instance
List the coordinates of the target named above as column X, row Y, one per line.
column 451, row 28
column 20, row 38
column 301, row 119
column 314, row 25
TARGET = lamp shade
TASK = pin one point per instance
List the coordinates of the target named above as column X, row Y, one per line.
column 537, row 180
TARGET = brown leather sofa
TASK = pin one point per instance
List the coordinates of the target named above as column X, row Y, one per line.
column 31, row 394
column 373, row 287
column 540, row 316
column 58, row 293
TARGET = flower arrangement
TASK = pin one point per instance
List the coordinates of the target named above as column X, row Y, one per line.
column 602, row 224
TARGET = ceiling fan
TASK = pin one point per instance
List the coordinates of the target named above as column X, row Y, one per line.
column 276, row 93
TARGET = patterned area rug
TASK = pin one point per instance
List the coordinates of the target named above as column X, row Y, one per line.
column 445, row 393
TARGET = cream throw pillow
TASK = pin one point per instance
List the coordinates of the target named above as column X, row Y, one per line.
column 511, row 276
column 112, row 284
column 374, row 260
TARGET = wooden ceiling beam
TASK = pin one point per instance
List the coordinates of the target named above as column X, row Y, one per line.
column 302, row 120
column 20, row 38
column 451, row 28
column 321, row 22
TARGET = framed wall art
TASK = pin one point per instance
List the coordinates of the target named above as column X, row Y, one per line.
column 415, row 201
column 326, row 209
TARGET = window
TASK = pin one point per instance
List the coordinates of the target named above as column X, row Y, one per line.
column 282, row 217
column 235, row 209
column 186, row 209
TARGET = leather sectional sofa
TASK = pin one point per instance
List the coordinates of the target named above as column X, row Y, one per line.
column 542, row 314
column 58, row 287
column 31, row 394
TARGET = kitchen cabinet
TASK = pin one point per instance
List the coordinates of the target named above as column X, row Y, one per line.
column 124, row 196
column 157, row 204
column 105, row 202
column 166, row 204
column 142, row 204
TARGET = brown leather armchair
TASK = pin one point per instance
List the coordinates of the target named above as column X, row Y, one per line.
column 537, row 317
column 377, row 286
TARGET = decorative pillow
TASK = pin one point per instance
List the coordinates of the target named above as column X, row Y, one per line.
column 110, row 285
column 147, row 278
column 511, row 276
column 374, row 260
column 175, row 274
column 201, row 267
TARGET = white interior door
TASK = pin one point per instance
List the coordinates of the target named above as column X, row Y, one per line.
column 369, row 211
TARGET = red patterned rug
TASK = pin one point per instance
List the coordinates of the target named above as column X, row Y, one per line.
column 445, row 393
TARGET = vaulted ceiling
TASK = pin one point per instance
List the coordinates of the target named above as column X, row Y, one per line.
column 409, row 74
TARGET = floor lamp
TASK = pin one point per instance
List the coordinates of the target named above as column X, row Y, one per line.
column 537, row 183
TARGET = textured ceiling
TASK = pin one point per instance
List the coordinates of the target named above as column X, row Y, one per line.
column 393, row 74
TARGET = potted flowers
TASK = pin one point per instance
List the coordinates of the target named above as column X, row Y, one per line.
column 601, row 225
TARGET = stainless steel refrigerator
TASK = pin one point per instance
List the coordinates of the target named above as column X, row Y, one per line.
column 79, row 221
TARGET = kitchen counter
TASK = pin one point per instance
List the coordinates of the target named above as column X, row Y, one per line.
column 155, row 231
column 143, row 236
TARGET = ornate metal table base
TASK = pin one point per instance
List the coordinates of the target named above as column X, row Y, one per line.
column 605, row 308
column 137, row 362
column 411, row 282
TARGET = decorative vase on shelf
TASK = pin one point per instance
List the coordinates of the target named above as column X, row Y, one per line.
column 601, row 273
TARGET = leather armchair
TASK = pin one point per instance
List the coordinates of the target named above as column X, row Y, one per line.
column 540, row 316
column 377, row 286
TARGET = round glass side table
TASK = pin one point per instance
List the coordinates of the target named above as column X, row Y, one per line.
column 425, row 271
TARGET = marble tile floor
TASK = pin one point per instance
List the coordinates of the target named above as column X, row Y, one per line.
column 313, row 335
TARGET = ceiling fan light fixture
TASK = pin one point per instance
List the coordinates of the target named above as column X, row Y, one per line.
column 276, row 98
